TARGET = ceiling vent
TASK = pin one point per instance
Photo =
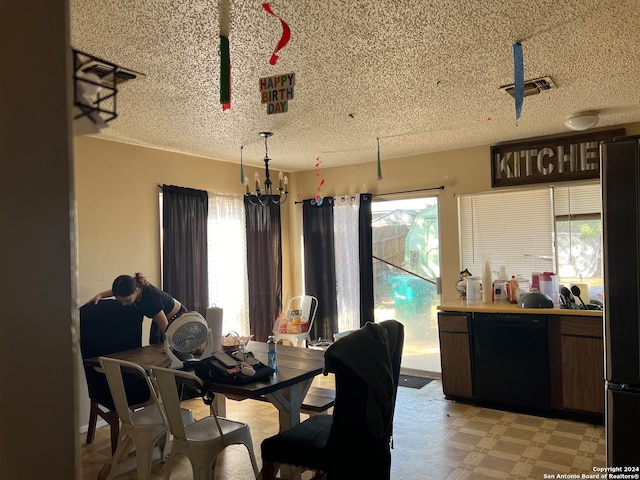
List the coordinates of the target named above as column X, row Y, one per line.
column 531, row 87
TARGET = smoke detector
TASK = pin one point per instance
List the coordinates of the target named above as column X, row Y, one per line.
column 531, row 87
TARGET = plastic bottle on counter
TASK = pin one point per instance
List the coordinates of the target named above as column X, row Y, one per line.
column 503, row 274
column 513, row 289
column 487, row 283
column 272, row 353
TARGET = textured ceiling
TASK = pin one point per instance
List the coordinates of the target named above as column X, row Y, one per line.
column 420, row 75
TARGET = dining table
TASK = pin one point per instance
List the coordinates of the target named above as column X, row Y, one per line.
column 285, row 389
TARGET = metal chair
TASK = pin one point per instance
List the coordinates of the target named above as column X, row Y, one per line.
column 205, row 438
column 147, row 427
column 354, row 442
column 308, row 304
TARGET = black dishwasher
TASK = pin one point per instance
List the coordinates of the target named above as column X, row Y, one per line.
column 511, row 360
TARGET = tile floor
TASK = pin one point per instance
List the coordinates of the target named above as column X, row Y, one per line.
column 435, row 438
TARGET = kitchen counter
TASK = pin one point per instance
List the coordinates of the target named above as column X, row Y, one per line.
column 486, row 352
column 460, row 305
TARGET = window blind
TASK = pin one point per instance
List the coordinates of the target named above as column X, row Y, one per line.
column 578, row 200
column 513, row 229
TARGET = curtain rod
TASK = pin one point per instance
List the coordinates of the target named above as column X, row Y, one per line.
column 441, row 187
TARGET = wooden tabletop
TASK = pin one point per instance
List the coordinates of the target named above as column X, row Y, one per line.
column 295, row 365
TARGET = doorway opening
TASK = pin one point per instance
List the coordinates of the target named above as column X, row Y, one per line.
column 406, row 264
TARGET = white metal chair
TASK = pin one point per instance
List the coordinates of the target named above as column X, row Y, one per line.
column 308, row 304
column 146, row 427
column 204, row 439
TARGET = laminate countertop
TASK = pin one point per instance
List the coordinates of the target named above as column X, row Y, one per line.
column 460, row 305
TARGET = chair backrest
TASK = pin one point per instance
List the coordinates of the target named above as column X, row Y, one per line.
column 116, row 371
column 308, row 304
column 105, row 328
column 366, row 365
column 109, row 327
column 167, row 380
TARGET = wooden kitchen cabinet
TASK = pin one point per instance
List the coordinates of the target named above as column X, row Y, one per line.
column 455, row 354
column 582, row 360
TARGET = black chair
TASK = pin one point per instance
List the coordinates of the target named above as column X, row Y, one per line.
column 106, row 328
column 356, row 441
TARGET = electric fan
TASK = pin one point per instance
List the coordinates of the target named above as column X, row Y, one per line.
column 186, row 334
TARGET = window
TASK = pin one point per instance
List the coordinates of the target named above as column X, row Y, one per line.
column 509, row 229
column 227, row 262
column 578, row 224
column 547, row 229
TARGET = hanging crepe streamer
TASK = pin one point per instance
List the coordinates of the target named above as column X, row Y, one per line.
column 518, row 74
column 241, row 167
column 286, row 34
column 379, row 167
column 319, row 194
column 225, row 74
column 225, row 59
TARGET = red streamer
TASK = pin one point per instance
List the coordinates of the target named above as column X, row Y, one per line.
column 286, row 34
column 318, row 194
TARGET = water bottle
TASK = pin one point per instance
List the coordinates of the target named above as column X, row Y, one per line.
column 272, row 352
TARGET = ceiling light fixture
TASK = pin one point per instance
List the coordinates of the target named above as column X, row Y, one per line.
column 95, row 88
column 94, row 97
column 260, row 197
column 582, row 121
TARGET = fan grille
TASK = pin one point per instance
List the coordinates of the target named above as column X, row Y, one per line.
column 189, row 336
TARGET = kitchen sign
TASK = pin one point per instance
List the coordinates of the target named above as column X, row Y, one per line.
column 549, row 160
column 276, row 92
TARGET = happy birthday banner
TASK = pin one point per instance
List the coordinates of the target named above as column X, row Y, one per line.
column 276, row 92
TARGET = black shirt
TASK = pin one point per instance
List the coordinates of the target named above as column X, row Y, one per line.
column 154, row 300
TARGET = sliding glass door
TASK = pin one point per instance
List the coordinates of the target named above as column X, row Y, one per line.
column 406, row 263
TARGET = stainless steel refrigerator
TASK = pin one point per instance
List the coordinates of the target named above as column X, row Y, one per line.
column 620, row 175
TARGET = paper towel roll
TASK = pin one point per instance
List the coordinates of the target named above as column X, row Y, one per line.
column 214, row 320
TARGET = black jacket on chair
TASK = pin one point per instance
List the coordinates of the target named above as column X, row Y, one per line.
column 354, row 442
column 366, row 364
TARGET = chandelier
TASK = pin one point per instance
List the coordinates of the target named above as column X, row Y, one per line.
column 265, row 196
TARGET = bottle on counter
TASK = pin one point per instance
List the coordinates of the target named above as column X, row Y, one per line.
column 503, row 273
column 501, row 286
column 272, row 353
column 487, row 283
column 513, row 289
column 500, row 290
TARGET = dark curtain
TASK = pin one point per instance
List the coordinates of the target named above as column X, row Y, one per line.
column 264, row 267
column 184, row 255
column 366, row 260
column 319, row 265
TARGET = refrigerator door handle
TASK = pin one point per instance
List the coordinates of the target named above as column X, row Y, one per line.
column 623, row 387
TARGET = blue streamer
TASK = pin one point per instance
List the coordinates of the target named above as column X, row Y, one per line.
column 241, row 167
column 518, row 74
